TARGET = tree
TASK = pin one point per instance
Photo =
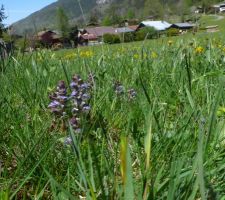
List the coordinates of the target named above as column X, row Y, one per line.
column 153, row 7
column 63, row 22
column 106, row 21
column 130, row 14
column 2, row 18
column 93, row 17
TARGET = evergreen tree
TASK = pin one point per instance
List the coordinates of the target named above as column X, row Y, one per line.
column 2, row 17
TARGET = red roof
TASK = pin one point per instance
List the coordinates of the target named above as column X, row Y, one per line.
column 100, row 31
column 133, row 27
column 89, row 37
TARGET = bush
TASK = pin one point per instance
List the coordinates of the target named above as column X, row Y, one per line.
column 127, row 37
column 22, row 44
column 150, row 32
column 172, row 32
column 111, row 38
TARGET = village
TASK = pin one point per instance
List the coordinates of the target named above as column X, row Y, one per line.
column 95, row 34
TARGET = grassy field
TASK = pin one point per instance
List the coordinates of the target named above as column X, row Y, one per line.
column 145, row 122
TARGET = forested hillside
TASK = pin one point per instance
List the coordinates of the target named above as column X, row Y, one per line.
column 106, row 11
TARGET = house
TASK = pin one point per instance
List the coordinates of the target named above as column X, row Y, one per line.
column 124, row 30
column 219, row 8
column 100, row 31
column 183, row 26
column 199, row 10
column 133, row 27
column 88, row 39
column 157, row 25
column 94, row 35
column 48, row 38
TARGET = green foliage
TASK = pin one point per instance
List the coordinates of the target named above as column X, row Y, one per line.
column 106, row 21
column 146, row 32
column 63, row 22
column 130, row 14
column 172, row 32
column 22, row 44
column 168, row 143
column 2, row 18
column 128, row 37
column 111, row 38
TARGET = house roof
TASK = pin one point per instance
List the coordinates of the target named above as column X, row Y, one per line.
column 44, row 32
column 158, row 25
column 89, row 37
column 183, row 25
column 100, row 31
column 124, row 30
column 133, row 27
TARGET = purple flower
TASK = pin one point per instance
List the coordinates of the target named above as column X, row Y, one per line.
column 73, row 122
column 74, row 93
column 85, row 86
column 75, row 110
column 86, row 108
column 54, row 104
column 119, row 89
column 62, row 98
column 85, row 96
column 68, row 141
column 132, row 94
column 73, row 84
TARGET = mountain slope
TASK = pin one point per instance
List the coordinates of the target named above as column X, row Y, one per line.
column 46, row 17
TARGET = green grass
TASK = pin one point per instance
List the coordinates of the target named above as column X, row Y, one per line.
column 212, row 20
column 169, row 143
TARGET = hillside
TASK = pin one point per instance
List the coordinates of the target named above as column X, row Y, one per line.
column 46, row 17
column 113, row 9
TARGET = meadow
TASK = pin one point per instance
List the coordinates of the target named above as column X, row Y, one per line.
column 130, row 121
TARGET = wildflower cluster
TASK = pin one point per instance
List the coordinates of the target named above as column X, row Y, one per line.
column 120, row 90
column 199, row 50
column 86, row 54
column 72, row 105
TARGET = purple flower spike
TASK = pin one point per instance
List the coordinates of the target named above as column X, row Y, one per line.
column 85, row 86
column 76, row 78
column 86, row 108
column 85, row 96
column 62, row 98
column 73, row 122
column 61, row 84
column 73, row 84
column 132, row 94
column 54, row 104
column 68, row 141
column 74, row 93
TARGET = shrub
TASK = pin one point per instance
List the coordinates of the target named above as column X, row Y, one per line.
column 22, row 44
column 172, row 32
column 111, row 38
column 150, row 32
column 127, row 37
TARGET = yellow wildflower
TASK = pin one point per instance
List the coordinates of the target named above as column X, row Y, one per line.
column 70, row 56
column 221, row 112
column 199, row 49
column 154, row 55
column 170, row 42
column 136, row 56
column 86, row 54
